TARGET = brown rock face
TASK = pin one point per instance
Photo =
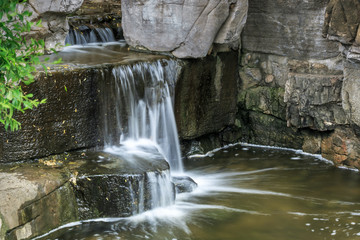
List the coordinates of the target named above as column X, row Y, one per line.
column 342, row 147
column 342, row 20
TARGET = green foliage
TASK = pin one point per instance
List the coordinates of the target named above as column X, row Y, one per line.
column 18, row 58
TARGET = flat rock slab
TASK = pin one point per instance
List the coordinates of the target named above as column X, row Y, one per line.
column 40, row 196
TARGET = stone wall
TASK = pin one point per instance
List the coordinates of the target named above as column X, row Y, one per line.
column 297, row 88
column 66, row 122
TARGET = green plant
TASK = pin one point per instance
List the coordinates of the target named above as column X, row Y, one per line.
column 18, row 58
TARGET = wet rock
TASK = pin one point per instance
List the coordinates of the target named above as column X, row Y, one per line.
column 264, row 129
column 39, row 196
column 67, row 121
column 110, row 185
column 71, row 118
column 184, row 184
column 312, row 143
column 109, row 195
column 98, row 8
column 271, row 70
column 205, row 93
column 201, row 145
column 264, row 99
column 185, row 28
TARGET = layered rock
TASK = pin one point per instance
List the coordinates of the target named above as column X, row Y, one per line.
column 185, row 28
column 285, row 53
column 341, row 24
column 70, row 119
column 73, row 187
column 54, row 22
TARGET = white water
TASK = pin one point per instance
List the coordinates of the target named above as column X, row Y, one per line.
column 143, row 110
column 95, row 35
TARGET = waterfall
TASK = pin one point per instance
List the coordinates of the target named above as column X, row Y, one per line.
column 161, row 190
column 85, row 35
column 139, row 108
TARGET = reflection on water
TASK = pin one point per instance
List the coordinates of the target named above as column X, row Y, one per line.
column 247, row 193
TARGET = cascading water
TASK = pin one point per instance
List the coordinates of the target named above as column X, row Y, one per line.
column 139, row 122
column 140, row 109
column 85, row 35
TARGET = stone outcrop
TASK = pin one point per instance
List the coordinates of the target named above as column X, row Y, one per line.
column 34, row 203
column 72, row 187
column 204, row 95
column 70, row 119
column 185, row 28
column 54, row 22
column 279, row 28
column 99, row 8
column 350, row 93
column 297, row 83
column 313, row 95
column 342, row 21
column 231, row 30
column 341, row 24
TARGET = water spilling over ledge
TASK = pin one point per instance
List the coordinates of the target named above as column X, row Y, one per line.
column 138, row 105
column 131, row 175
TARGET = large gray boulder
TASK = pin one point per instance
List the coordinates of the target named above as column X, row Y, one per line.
column 185, row 28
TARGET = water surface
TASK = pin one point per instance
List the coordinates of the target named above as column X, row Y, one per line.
column 246, row 192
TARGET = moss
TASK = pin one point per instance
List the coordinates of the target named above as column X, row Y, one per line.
column 3, row 227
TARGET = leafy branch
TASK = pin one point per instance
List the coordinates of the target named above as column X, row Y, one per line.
column 18, row 58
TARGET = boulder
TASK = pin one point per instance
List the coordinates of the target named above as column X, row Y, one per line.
column 185, row 28
column 184, row 184
column 342, row 20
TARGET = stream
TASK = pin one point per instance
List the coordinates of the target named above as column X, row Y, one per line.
column 245, row 192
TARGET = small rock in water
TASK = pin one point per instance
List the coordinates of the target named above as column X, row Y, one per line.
column 184, row 184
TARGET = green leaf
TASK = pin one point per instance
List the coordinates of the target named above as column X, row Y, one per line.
column 18, row 58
